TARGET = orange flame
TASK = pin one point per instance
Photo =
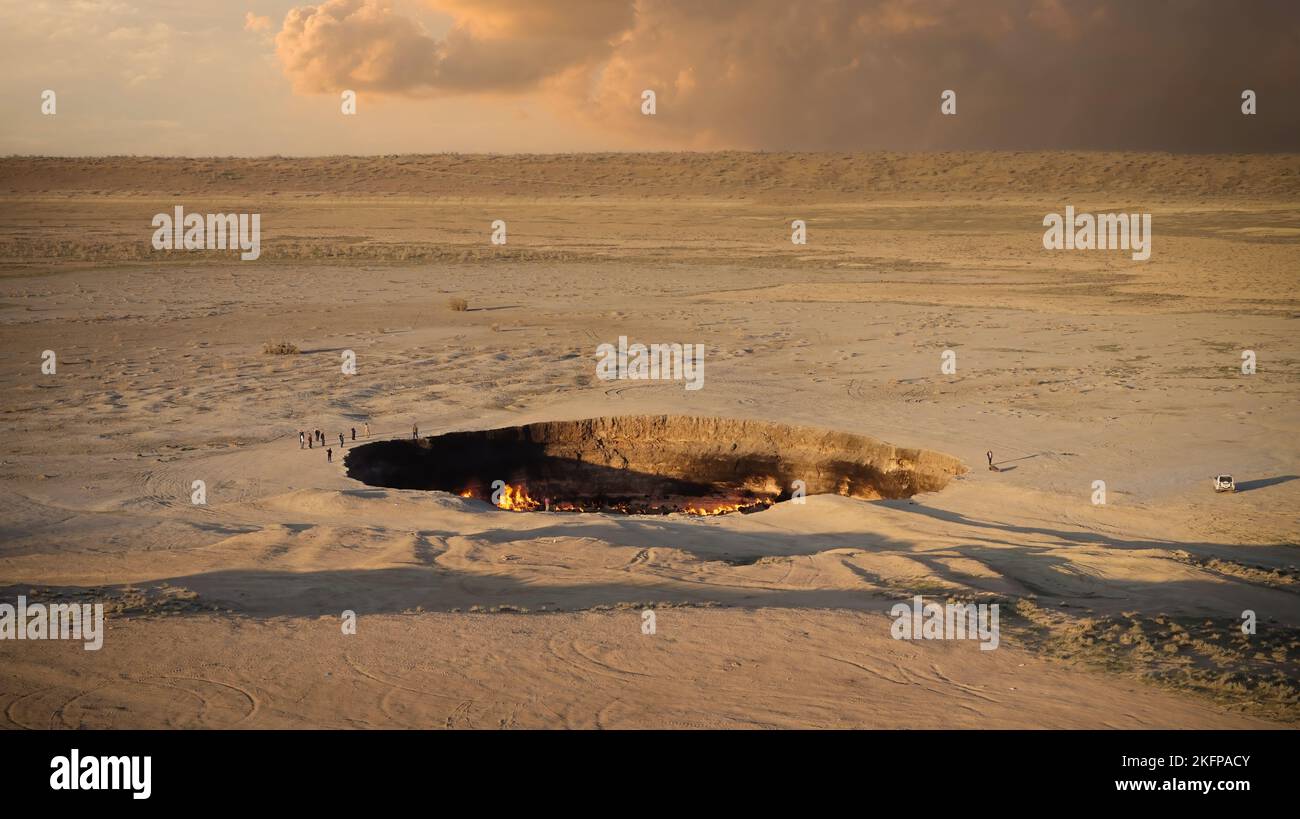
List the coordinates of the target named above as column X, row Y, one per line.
column 517, row 500
column 726, row 508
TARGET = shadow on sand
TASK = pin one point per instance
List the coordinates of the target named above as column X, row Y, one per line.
column 1260, row 483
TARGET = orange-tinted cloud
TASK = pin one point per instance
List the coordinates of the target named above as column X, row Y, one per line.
column 494, row 46
column 355, row 44
column 253, row 22
column 841, row 74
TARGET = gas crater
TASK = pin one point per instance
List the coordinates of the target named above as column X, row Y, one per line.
column 645, row 465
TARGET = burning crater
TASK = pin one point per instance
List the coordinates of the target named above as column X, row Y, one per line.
column 650, row 465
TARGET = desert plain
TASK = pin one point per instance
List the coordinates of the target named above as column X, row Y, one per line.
column 1071, row 367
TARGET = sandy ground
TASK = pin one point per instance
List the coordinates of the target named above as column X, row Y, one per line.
column 1072, row 367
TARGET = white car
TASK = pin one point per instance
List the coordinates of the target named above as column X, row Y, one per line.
column 1224, row 483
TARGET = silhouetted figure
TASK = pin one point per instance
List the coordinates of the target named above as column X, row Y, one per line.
column 415, row 432
column 340, row 440
column 329, row 456
column 354, row 433
column 302, row 439
column 367, row 429
column 990, row 455
column 311, row 442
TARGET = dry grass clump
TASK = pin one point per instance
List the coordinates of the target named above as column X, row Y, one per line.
column 1278, row 577
column 1257, row 673
column 280, row 348
column 457, row 304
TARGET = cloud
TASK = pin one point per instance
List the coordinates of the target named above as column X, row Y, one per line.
column 254, row 23
column 143, row 53
column 494, row 45
column 839, row 74
column 355, row 44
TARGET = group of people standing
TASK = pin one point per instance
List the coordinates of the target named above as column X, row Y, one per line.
column 310, row 440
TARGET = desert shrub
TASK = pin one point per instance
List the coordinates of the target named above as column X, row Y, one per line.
column 280, row 348
column 458, row 304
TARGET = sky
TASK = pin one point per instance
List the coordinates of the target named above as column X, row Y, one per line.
column 265, row 77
